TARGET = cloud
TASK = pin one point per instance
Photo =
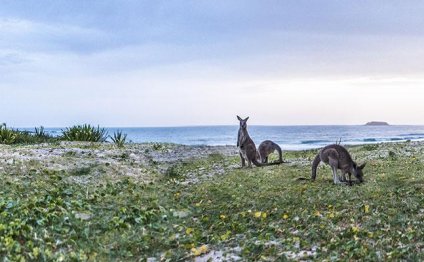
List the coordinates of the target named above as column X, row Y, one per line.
column 31, row 36
column 11, row 58
column 189, row 62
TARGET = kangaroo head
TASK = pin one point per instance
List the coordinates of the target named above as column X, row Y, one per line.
column 358, row 171
column 243, row 122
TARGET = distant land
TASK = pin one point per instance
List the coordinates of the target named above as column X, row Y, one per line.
column 377, row 123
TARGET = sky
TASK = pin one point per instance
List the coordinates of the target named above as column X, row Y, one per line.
column 177, row 63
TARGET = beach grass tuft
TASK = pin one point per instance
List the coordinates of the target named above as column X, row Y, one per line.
column 7, row 135
column 85, row 132
column 11, row 136
column 119, row 138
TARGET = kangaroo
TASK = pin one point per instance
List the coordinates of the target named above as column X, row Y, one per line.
column 338, row 158
column 247, row 148
column 266, row 148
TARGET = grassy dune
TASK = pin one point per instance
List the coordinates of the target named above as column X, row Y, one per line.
column 79, row 201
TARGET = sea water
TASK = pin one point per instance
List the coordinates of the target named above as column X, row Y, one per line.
column 288, row 137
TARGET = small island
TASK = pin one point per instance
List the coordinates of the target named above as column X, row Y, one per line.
column 377, row 123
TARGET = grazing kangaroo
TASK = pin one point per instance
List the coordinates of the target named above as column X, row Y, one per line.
column 338, row 158
column 247, row 147
column 266, row 148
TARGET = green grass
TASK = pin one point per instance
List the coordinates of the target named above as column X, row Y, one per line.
column 257, row 214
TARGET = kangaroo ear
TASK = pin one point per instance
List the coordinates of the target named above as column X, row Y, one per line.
column 362, row 166
column 246, row 118
column 239, row 118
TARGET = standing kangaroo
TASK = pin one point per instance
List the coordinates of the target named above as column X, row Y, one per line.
column 338, row 158
column 247, row 147
column 266, row 148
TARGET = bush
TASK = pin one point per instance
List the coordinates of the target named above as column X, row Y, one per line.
column 119, row 138
column 7, row 135
column 24, row 137
column 14, row 136
column 39, row 132
column 85, row 133
column 41, row 136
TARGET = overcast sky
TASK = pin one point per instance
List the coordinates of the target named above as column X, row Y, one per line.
column 173, row 63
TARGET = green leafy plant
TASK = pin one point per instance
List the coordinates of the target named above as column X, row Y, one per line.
column 7, row 135
column 39, row 132
column 41, row 135
column 14, row 136
column 158, row 146
column 24, row 137
column 85, row 132
column 119, row 138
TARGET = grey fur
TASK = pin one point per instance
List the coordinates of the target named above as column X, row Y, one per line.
column 338, row 158
column 266, row 148
column 247, row 148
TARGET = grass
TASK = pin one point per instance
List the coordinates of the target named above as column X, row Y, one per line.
column 256, row 214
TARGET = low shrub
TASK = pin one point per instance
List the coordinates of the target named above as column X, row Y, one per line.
column 7, row 135
column 119, row 138
column 42, row 136
column 85, row 132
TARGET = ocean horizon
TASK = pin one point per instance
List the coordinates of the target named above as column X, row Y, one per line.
column 293, row 137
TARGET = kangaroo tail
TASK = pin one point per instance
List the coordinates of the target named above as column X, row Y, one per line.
column 280, row 154
column 315, row 164
column 302, row 178
column 256, row 163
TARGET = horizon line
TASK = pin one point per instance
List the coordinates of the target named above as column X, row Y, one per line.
column 218, row 125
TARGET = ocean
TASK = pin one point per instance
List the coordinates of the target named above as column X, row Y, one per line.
column 288, row 137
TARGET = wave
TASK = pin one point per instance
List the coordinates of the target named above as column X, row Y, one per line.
column 413, row 134
column 199, row 140
column 307, row 142
column 369, row 140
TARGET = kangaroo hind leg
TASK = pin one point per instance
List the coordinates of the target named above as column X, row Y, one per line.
column 343, row 177
column 249, row 163
column 335, row 176
column 334, row 163
column 243, row 162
